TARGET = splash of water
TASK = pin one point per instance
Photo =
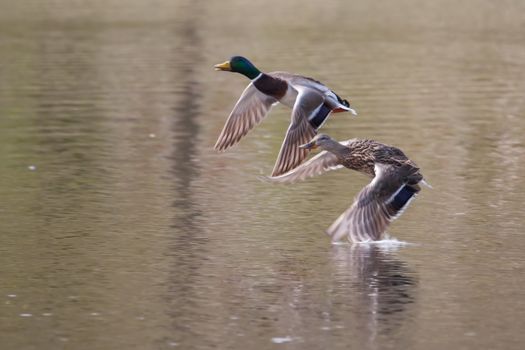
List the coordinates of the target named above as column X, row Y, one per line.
column 388, row 243
column 280, row 340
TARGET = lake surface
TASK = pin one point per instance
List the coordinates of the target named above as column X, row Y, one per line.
column 121, row 228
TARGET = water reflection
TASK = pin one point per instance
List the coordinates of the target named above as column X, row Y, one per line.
column 385, row 286
column 188, row 240
column 185, row 130
column 151, row 242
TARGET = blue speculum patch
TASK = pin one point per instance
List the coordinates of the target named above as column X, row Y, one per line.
column 401, row 199
column 317, row 120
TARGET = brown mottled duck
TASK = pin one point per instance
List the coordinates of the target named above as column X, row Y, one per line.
column 394, row 185
column 311, row 103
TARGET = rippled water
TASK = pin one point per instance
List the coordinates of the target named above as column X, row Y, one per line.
column 121, row 228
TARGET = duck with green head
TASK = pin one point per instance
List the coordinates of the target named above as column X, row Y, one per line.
column 311, row 103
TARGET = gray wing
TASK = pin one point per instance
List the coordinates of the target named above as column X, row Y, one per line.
column 299, row 132
column 378, row 204
column 321, row 163
column 249, row 111
column 302, row 81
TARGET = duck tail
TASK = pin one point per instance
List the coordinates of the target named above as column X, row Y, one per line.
column 342, row 101
column 344, row 106
column 426, row 184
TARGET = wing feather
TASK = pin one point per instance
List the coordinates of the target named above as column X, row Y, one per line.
column 376, row 205
column 250, row 110
column 323, row 162
column 299, row 132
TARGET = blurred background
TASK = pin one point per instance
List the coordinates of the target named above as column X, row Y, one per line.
column 121, row 228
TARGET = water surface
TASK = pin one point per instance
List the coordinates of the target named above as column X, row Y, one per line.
column 122, row 229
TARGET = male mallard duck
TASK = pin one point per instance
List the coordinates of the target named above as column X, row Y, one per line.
column 394, row 185
column 310, row 100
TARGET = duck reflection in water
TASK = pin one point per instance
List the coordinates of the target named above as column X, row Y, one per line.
column 382, row 286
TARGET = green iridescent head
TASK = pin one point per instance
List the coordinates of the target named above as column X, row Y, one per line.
column 239, row 64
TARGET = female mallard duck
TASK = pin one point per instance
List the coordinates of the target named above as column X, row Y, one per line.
column 394, row 185
column 311, row 103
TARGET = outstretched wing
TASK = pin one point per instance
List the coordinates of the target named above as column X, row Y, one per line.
column 321, row 163
column 378, row 204
column 299, row 132
column 249, row 111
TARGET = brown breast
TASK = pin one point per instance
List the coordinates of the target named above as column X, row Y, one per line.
column 271, row 86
